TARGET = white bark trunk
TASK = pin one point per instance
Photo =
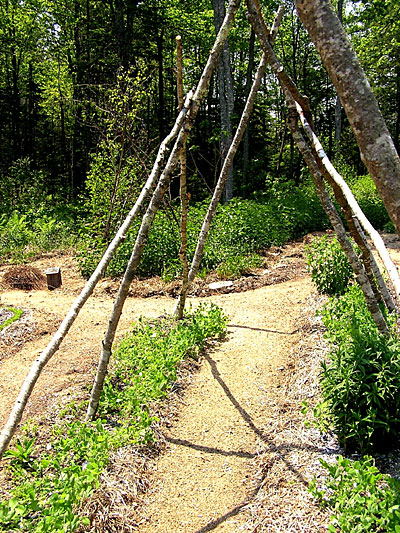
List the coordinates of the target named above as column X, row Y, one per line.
column 38, row 365
column 152, row 209
column 335, row 219
column 367, row 226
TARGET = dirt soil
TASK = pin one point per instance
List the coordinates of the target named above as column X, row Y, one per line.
column 237, row 455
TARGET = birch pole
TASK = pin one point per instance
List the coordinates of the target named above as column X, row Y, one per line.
column 356, row 209
column 229, row 159
column 182, row 188
column 293, row 96
column 153, row 207
column 42, row 360
column 335, row 219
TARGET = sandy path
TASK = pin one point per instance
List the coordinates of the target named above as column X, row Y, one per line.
column 78, row 353
column 207, row 473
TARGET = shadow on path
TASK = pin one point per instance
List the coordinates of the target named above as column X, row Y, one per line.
column 282, row 451
column 266, row 330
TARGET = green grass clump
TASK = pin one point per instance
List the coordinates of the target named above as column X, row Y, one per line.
column 361, row 380
column 360, row 497
column 52, row 476
column 16, row 314
column 330, row 269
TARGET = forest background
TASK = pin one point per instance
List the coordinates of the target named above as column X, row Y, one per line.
column 88, row 91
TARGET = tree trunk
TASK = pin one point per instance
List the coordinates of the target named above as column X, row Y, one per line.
column 183, row 189
column 335, row 219
column 226, row 100
column 148, row 218
column 340, row 182
column 249, row 80
column 54, row 344
column 376, row 146
column 338, row 105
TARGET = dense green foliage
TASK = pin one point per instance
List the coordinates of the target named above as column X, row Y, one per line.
column 359, row 496
column 51, row 479
column 330, row 270
column 361, row 380
column 239, row 229
column 62, row 63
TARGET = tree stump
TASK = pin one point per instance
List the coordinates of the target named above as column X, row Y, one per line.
column 53, row 276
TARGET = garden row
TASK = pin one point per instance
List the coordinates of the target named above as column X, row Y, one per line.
column 360, row 388
column 51, row 470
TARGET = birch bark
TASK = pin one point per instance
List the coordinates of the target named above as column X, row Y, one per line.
column 153, row 207
column 340, row 182
column 38, row 365
column 183, row 188
column 376, row 145
column 335, row 219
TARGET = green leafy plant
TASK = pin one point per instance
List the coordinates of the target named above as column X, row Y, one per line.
column 235, row 267
column 361, row 380
column 16, row 314
column 360, row 497
column 330, row 269
column 50, row 481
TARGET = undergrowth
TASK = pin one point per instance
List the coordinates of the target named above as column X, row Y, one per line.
column 360, row 497
column 330, row 269
column 16, row 315
column 52, row 474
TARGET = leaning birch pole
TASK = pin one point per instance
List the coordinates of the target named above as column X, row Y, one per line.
column 153, row 207
column 377, row 148
column 349, row 196
column 183, row 187
column 292, row 98
column 229, row 157
column 335, row 219
column 372, row 270
column 42, row 360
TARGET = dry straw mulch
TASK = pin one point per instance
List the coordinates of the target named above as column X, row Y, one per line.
column 24, row 277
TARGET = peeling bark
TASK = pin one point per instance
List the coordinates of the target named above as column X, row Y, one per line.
column 376, row 145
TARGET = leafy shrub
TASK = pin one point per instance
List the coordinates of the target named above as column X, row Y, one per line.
column 364, row 190
column 360, row 497
column 25, row 235
column 235, row 267
column 330, row 268
column 361, row 381
column 239, row 228
column 49, row 483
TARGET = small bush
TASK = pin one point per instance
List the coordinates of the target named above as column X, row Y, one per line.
column 330, row 268
column 360, row 497
column 364, row 190
column 361, row 380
